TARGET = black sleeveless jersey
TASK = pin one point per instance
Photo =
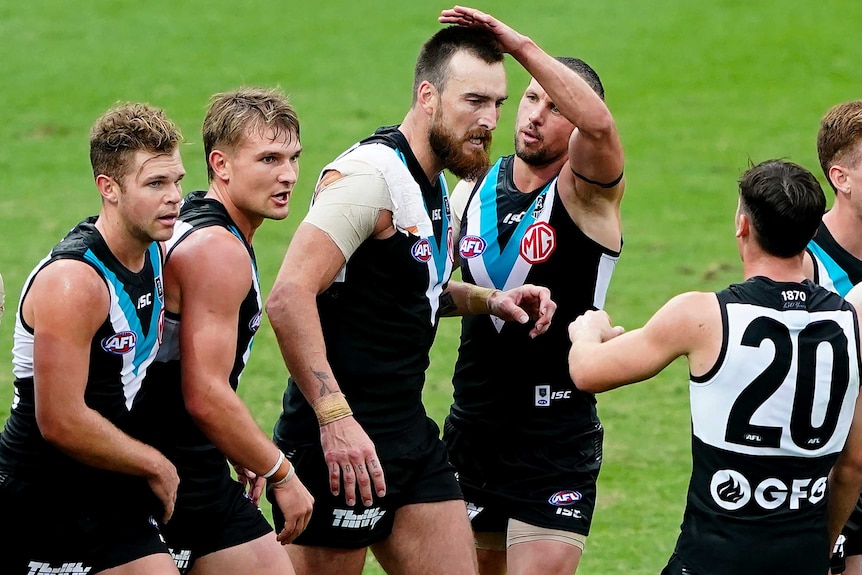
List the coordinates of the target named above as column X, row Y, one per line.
column 506, row 383
column 176, row 434
column 379, row 322
column 768, row 422
column 121, row 352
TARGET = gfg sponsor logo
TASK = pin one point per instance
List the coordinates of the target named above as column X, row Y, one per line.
column 421, row 250
column 565, row 498
column 731, row 490
column 471, row 246
column 120, row 343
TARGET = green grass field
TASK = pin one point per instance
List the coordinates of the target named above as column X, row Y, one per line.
column 698, row 90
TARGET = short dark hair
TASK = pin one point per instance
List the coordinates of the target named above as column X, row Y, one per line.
column 125, row 129
column 586, row 72
column 231, row 116
column 785, row 205
column 839, row 137
column 433, row 62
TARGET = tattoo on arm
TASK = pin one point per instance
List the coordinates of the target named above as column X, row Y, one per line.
column 447, row 304
column 322, row 377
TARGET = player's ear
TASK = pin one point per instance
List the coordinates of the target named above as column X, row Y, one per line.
column 427, row 97
column 108, row 188
column 743, row 225
column 839, row 178
column 218, row 161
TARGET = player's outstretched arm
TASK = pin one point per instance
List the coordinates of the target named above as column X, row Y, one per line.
column 603, row 357
column 521, row 304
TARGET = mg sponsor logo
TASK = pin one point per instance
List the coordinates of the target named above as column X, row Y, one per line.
column 471, row 246
column 120, row 343
column 421, row 250
column 254, row 324
column 565, row 498
column 731, row 490
column 347, row 519
column 538, row 243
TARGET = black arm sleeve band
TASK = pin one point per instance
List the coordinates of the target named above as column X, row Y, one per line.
column 599, row 184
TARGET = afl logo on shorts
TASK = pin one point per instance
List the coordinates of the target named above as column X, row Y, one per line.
column 471, row 246
column 421, row 250
column 565, row 498
column 120, row 343
column 254, row 324
column 538, row 243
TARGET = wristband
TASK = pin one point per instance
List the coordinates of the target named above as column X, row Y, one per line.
column 478, row 298
column 290, row 473
column 331, row 407
column 275, row 467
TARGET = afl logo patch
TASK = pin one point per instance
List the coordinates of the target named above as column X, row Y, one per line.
column 538, row 243
column 120, row 343
column 254, row 324
column 565, row 498
column 472, row 246
column 421, row 250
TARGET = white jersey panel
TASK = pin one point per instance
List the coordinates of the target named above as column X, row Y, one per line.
column 712, row 401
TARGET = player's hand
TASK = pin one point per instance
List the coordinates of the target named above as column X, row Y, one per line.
column 295, row 503
column 252, row 484
column 510, row 41
column 352, row 460
column 524, row 303
column 164, row 482
column 594, row 326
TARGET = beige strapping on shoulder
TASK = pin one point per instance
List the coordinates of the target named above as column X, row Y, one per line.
column 347, row 208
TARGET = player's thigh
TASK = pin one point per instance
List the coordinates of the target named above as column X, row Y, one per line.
column 309, row 560
column 853, row 565
column 542, row 557
column 491, row 561
column 261, row 556
column 155, row 564
column 429, row 539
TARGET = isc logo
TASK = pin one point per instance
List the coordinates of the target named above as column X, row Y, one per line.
column 538, row 243
column 422, row 250
column 471, row 246
column 565, row 498
column 120, row 343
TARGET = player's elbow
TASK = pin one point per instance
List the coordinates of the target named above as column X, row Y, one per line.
column 601, row 125
column 282, row 300
column 57, row 429
column 583, row 377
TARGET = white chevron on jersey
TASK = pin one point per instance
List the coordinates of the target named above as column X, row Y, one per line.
column 483, row 223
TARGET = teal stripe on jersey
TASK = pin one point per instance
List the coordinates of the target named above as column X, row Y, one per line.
column 500, row 262
column 439, row 249
column 143, row 349
column 840, row 281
